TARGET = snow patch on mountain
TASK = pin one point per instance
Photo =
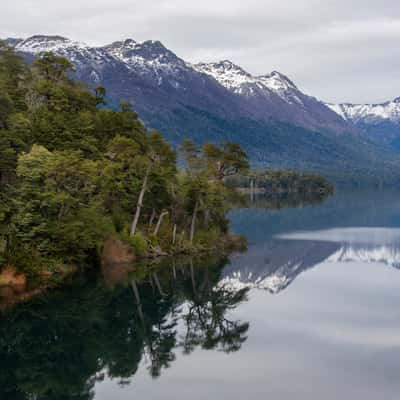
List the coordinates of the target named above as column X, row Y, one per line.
column 368, row 113
column 148, row 56
column 77, row 53
column 229, row 75
column 239, row 81
column 278, row 82
column 37, row 44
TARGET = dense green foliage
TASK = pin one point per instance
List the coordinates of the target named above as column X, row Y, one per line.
column 73, row 172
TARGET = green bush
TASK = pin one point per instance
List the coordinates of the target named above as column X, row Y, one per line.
column 139, row 244
column 207, row 238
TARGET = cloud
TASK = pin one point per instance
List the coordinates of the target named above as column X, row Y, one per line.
column 336, row 50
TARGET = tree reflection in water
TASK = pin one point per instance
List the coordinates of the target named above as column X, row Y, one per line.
column 206, row 322
column 59, row 346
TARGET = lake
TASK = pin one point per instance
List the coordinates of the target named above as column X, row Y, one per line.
column 309, row 311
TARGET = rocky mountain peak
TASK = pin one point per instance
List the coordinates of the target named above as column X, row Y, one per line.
column 38, row 43
column 277, row 81
column 239, row 81
column 151, row 55
column 228, row 74
column 368, row 113
column 121, row 44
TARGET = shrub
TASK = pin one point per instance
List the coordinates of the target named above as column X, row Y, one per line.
column 139, row 244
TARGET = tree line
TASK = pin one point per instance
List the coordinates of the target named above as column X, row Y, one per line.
column 281, row 182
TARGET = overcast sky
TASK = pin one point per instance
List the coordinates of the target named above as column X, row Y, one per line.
column 336, row 50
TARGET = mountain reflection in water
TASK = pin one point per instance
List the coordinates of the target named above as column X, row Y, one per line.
column 276, row 263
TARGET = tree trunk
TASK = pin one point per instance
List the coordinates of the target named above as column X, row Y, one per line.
column 153, row 215
column 140, row 202
column 174, row 270
column 182, row 237
column 174, row 234
column 206, row 215
column 160, row 218
column 193, row 224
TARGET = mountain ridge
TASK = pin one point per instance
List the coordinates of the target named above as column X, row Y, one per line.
column 370, row 112
column 379, row 122
column 276, row 95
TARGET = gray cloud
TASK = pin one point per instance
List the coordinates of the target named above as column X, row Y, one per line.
column 337, row 50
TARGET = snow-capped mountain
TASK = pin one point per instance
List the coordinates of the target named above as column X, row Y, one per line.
column 379, row 122
column 268, row 115
column 78, row 53
column 262, row 97
column 157, row 82
column 146, row 57
column 153, row 58
column 91, row 63
column 39, row 43
column 237, row 80
column 273, row 95
column 369, row 113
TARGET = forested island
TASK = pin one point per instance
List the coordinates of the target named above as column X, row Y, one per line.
column 277, row 182
column 81, row 183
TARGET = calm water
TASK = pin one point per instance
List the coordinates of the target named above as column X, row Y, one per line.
column 310, row 311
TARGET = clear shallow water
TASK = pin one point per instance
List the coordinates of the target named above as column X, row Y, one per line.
column 310, row 311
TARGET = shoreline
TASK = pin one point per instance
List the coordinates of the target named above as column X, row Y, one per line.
column 17, row 288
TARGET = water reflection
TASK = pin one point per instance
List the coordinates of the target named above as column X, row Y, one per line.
column 344, row 210
column 366, row 245
column 58, row 347
column 332, row 332
column 279, row 201
column 276, row 263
